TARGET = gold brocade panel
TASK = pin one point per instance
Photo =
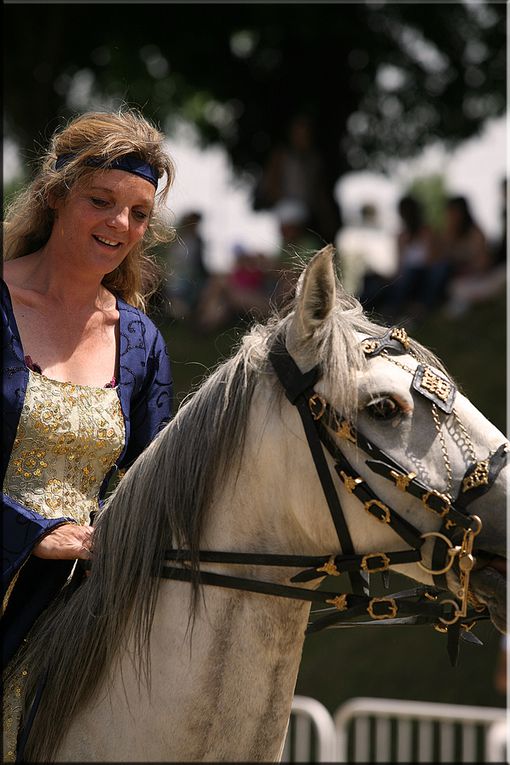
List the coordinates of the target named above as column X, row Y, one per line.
column 68, row 438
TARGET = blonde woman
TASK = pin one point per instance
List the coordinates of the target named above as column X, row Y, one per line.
column 87, row 381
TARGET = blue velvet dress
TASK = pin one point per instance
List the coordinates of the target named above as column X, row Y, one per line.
column 142, row 405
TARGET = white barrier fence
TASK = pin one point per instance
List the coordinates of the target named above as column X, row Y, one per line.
column 387, row 730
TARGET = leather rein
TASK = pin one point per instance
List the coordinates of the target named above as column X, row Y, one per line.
column 453, row 543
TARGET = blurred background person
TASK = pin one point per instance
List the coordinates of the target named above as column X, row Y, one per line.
column 412, row 290
column 368, row 257
column 467, row 252
column 235, row 295
column 295, row 170
column 186, row 268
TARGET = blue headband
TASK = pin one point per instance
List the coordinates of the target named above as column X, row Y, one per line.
column 131, row 163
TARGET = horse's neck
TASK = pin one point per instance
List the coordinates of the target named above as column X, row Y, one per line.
column 222, row 690
column 219, row 693
column 236, row 680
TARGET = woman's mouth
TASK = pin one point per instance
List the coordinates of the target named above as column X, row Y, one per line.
column 107, row 242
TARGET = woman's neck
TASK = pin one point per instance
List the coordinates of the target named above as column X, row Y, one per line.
column 44, row 273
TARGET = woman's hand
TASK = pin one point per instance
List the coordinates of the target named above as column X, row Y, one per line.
column 66, row 542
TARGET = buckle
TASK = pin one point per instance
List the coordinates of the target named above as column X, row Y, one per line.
column 443, row 502
column 387, row 603
column 451, row 552
column 384, row 562
column 315, row 400
column 456, row 613
column 384, row 516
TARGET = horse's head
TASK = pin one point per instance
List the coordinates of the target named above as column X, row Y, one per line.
column 412, row 439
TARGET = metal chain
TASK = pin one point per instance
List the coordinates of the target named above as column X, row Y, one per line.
column 466, row 435
column 446, row 458
column 398, row 363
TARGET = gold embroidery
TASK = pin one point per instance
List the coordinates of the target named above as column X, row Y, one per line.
column 12, row 710
column 68, row 438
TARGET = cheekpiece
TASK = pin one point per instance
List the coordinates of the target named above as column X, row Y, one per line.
column 435, row 386
column 396, row 340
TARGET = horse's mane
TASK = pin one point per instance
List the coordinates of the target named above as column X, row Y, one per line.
column 162, row 501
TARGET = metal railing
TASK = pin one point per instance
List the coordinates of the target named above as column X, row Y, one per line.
column 388, row 730
column 311, row 736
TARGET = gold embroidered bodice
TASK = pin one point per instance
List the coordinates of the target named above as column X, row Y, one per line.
column 68, row 438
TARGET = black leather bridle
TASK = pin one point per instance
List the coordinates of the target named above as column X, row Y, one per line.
column 418, row 605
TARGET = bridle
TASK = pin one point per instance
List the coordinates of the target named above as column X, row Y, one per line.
column 453, row 542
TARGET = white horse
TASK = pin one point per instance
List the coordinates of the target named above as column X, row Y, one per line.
column 142, row 668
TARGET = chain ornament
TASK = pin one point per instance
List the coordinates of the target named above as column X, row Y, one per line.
column 444, row 450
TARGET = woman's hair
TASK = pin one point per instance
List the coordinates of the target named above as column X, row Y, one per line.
column 466, row 221
column 103, row 137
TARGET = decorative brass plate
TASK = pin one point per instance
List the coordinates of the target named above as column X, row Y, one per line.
column 434, row 386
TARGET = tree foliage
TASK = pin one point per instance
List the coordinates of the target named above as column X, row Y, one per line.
column 379, row 79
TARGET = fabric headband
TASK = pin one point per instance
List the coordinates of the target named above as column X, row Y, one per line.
column 131, row 163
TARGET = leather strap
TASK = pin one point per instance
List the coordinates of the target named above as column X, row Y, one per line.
column 298, row 388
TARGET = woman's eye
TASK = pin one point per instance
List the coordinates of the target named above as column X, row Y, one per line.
column 140, row 215
column 98, row 202
column 384, row 408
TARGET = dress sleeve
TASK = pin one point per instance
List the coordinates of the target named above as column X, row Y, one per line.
column 22, row 529
column 151, row 408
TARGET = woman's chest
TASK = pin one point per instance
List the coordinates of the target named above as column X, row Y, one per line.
column 70, row 348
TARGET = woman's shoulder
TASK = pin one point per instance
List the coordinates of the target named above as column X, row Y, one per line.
column 15, row 270
column 134, row 319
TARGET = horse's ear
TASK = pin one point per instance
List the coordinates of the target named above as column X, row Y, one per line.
column 316, row 293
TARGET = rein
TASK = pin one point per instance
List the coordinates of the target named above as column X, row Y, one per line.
column 419, row 605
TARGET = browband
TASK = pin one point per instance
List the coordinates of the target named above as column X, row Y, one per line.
column 131, row 163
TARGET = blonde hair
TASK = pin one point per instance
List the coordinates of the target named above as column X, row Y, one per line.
column 108, row 136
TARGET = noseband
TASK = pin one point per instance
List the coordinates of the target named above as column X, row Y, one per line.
column 453, row 542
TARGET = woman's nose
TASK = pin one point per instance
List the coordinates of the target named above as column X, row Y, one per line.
column 120, row 218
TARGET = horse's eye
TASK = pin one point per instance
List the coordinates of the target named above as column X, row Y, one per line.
column 384, row 408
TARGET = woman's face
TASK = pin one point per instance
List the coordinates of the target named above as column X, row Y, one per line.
column 103, row 218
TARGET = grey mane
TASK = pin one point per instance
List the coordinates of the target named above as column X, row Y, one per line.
column 162, row 501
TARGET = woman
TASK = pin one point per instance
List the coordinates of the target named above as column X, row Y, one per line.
column 87, row 381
